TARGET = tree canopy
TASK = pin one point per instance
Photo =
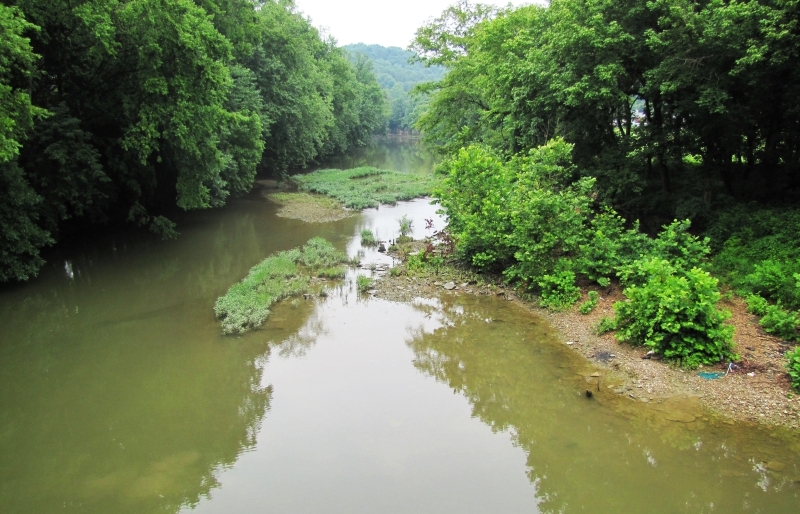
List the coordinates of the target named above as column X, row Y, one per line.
column 124, row 109
column 675, row 106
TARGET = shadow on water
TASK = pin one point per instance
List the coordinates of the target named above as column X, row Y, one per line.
column 605, row 454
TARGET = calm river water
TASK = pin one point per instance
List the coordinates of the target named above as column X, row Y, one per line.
column 119, row 394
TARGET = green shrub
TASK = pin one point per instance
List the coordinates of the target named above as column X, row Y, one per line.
column 363, row 284
column 559, row 290
column 604, row 281
column 609, row 246
column 674, row 312
column 793, row 366
column 776, row 280
column 784, row 324
column 605, row 325
column 756, row 304
column 589, row 305
column 368, row 238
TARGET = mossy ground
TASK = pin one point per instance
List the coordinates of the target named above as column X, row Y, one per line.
column 246, row 304
column 361, row 188
column 310, row 208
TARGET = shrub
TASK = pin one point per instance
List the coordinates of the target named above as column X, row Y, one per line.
column 368, row 238
column 604, row 281
column 776, row 279
column 793, row 366
column 605, row 325
column 363, row 284
column 674, row 313
column 559, row 290
column 609, row 246
column 782, row 323
column 756, row 304
column 589, row 305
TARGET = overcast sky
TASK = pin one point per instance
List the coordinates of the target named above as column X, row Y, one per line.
column 377, row 21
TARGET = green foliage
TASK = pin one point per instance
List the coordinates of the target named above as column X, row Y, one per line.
column 364, row 187
column 609, row 246
column 793, row 367
column 756, row 304
column 368, row 238
column 604, row 281
column 134, row 107
column 406, row 226
column 363, row 284
column 781, row 322
column 674, row 313
column 559, row 290
column 246, row 304
column 605, row 325
column 589, row 305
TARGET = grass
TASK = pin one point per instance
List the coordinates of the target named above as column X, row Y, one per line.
column 361, row 188
column 363, row 284
column 308, row 207
column 368, row 238
column 246, row 304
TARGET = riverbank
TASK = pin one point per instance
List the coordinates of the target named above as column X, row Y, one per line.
column 757, row 392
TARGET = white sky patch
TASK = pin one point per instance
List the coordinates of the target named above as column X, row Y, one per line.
column 377, row 22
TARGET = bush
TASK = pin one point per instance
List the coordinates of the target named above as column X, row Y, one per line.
column 609, row 246
column 559, row 290
column 793, row 366
column 782, row 323
column 777, row 280
column 406, row 226
column 589, row 305
column 605, row 325
column 674, row 313
column 756, row 304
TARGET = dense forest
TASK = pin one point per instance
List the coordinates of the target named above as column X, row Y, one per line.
column 653, row 144
column 399, row 73
column 114, row 110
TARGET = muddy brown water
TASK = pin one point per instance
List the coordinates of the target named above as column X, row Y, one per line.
column 119, row 394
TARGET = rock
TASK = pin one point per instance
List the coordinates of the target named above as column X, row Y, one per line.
column 501, row 293
column 465, row 284
column 450, row 286
column 680, row 417
column 437, row 283
column 589, row 394
column 751, row 374
column 382, row 248
column 775, row 466
column 570, row 343
column 649, row 355
column 595, row 374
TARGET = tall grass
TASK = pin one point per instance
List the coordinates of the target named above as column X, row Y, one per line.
column 246, row 304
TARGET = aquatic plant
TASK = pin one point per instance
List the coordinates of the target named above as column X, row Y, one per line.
column 361, row 188
column 363, row 284
column 246, row 304
column 406, row 225
column 368, row 238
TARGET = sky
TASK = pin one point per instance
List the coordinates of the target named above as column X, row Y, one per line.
column 387, row 23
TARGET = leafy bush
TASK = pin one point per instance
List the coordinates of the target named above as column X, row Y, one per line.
column 589, row 305
column 756, row 304
column 609, row 246
column 368, row 238
column 363, row 284
column 604, row 281
column 559, row 290
column 793, row 366
column 782, row 323
column 674, row 313
column 776, row 280
column 605, row 325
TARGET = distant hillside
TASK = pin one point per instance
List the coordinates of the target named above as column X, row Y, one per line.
column 398, row 77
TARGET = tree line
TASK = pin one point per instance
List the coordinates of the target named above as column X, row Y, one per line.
column 677, row 107
column 114, row 110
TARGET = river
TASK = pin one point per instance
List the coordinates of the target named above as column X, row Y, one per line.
column 119, row 394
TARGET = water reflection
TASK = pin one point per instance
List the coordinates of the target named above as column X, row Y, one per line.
column 600, row 455
column 393, row 152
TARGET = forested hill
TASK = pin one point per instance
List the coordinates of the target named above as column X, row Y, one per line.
column 114, row 110
column 397, row 76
